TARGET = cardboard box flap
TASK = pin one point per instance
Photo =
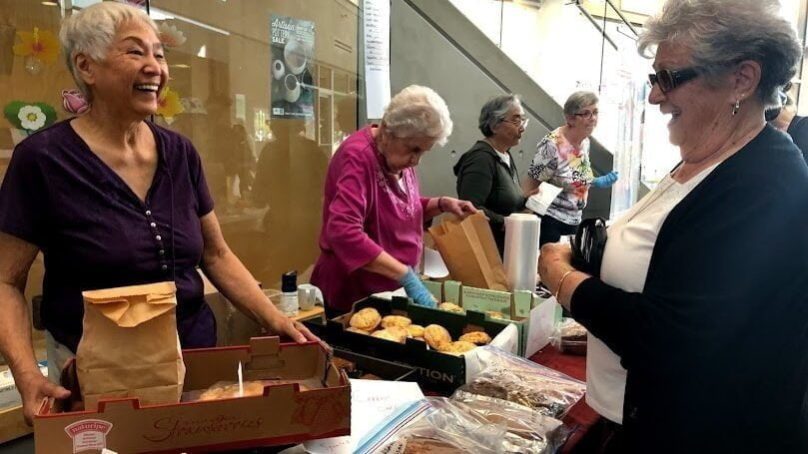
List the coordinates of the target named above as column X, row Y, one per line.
column 130, row 306
column 264, row 354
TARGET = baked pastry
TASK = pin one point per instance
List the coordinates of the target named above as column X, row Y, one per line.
column 400, row 333
column 366, row 319
column 457, row 347
column 415, row 331
column 396, row 320
column 572, row 330
column 357, row 330
column 251, row 388
column 476, row 337
column 391, row 334
column 451, row 307
column 423, row 445
column 436, row 335
column 496, row 314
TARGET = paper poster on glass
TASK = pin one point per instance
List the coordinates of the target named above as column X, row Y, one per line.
column 291, row 67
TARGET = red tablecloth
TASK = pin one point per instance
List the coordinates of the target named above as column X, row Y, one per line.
column 580, row 417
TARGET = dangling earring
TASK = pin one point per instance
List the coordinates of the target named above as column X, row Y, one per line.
column 736, row 107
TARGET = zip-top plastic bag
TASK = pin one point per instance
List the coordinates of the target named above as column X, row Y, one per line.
column 445, row 426
column 505, row 377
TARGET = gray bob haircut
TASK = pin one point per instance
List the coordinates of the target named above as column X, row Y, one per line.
column 577, row 101
column 723, row 33
column 495, row 111
column 418, row 111
column 91, row 31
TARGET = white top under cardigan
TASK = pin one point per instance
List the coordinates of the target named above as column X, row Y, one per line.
column 625, row 263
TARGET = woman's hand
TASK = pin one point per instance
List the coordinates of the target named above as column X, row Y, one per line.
column 558, row 274
column 34, row 387
column 459, row 208
column 555, row 260
column 284, row 326
column 605, row 181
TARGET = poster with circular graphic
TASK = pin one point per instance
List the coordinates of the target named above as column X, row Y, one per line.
column 291, row 67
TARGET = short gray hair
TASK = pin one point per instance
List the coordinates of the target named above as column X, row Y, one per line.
column 91, row 31
column 495, row 110
column 418, row 111
column 578, row 101
column 722, row 33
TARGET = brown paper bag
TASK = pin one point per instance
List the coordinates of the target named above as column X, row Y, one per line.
column 130, row 346
column 470, row 252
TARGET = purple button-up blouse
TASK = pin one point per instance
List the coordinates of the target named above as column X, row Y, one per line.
column 96, row 233
column 365, row 212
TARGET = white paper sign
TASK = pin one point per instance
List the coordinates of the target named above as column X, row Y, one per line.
column 377, row 56
column 542, row 322
column 539, row 203
column 434, row 266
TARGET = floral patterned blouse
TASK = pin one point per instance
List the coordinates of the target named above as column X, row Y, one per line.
column 559, row 163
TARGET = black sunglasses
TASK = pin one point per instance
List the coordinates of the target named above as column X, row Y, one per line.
column 669, row 79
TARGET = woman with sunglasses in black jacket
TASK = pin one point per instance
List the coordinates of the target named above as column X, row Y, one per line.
column 700, row 310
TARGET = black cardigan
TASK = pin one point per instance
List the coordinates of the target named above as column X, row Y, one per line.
column 484, row 180
column 798, row 130
column 716, row 345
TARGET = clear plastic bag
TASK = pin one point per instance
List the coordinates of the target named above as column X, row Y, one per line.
column 528, row 431
column 441, row 425
column 569, row 337
column 506, row 377
column 434, row 425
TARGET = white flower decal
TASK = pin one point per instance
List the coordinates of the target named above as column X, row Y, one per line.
column 31, row 117
column 171, row 36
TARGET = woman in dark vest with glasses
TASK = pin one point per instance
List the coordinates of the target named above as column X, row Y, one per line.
column 486, row 174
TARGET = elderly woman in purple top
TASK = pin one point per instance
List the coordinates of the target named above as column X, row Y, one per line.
column 373, row 212
column 112, row 200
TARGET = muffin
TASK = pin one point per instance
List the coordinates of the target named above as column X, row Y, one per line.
column 451, row 307
column 476, row 337
column 457, row 347
column 357, row 330
column 366, row 319
column 436, row 335
column 415, row 331
column 396, row 320
column 389, row 335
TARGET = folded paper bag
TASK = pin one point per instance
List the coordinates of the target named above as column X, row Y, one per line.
column 468, row 248
column 130, row 346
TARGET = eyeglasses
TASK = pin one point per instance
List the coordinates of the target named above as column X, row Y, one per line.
column 518, row 122
column 587, row 114
column 669, row 79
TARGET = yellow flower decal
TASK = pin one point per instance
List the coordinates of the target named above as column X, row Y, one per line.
column 41, row 44
column 169, row 104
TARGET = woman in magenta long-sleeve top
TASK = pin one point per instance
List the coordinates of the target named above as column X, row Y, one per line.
column 373, row 213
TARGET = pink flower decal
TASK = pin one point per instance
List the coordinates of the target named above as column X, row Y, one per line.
column 74, row 102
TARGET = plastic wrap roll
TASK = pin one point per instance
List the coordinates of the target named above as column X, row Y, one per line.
column 522, row 250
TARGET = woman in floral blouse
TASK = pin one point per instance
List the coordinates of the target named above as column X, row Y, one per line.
column 562, row 160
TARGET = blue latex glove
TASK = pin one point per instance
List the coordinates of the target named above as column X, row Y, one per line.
column 416, row 290
column 605, row 181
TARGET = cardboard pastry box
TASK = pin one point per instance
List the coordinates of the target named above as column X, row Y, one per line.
column 285, row 413
column 437, row 371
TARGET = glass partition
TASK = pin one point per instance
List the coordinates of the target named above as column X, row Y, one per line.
column 265, row 90
column 262, row 80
